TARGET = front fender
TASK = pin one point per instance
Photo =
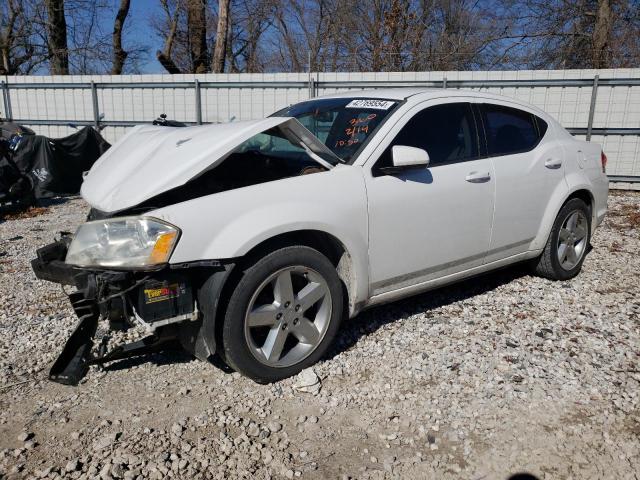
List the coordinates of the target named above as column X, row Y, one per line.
column 229, row 224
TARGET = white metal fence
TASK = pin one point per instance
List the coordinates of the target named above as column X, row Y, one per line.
column 603, row 105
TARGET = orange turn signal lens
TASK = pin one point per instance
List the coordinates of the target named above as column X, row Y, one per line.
column 163, row 247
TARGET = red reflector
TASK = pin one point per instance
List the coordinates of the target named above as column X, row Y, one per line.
column 603, row 160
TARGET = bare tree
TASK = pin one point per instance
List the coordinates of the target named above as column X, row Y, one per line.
column 171, row 19
column 57, row 37
column 197, row 28
column 9, row 15
column 578, row 33
column 70, row 36
column 251, row 19
column 119, row 54
column 20, row 51
column 222, row 32
column 310, row 34
column 601, row 34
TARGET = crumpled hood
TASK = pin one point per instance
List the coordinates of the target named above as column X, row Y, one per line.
column 150, row 160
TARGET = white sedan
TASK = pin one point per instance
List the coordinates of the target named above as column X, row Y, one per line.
column 253, row 240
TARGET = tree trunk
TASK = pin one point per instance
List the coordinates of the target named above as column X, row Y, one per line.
column 220, row 49
column 57, row 37
column 197, row 26
column 601, row 35
column 119, row 54
column 164, row 55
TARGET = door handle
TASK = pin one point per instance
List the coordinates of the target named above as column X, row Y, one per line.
column 553, row 163
column 478, row 177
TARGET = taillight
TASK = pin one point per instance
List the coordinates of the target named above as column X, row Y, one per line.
column 603, row 160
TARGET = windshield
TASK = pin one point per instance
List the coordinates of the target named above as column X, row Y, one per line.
column 342, row 124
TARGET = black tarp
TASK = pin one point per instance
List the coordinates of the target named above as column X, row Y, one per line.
column 9, row 128
column 55, row 165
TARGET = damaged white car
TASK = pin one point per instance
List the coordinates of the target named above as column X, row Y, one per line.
column 253, row 240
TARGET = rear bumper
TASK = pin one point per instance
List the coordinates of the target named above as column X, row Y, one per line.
column 601, row 195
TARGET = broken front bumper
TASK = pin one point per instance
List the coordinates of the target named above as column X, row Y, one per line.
column 157, row 299
column 50, row 264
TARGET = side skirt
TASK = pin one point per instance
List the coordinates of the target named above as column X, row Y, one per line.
column 422, row 287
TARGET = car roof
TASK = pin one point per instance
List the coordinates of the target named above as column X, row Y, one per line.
column 403, row 93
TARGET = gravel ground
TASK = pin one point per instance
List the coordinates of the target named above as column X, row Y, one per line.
column 502, row 374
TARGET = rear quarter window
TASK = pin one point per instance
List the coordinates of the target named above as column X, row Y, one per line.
column 510, row 130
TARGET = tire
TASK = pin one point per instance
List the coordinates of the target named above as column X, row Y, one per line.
column 282, row 315
column 573, row 223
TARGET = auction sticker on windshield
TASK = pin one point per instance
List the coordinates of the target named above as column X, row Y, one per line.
column 370, row 103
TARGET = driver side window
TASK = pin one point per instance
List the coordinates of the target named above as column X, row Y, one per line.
column 447, row 132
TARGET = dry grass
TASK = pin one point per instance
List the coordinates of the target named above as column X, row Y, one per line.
column 625, row 217
column 624, row 193
column 28, row 213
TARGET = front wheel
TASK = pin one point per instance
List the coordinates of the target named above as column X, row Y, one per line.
column 283, row 314
column 568, row 242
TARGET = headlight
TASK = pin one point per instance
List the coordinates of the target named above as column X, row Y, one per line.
column 128, row 242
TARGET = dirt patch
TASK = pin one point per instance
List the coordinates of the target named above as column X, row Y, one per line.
column 625, row 217
column 28, row 213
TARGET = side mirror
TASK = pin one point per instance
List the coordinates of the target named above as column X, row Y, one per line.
column 404, row 157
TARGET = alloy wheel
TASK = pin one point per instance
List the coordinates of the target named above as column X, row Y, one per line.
column 288, row 316
column 572, row 240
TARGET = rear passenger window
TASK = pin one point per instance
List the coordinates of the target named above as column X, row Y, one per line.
column 510, row 130
column 447, row 132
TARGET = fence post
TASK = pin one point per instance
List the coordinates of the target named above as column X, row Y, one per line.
column 7, row 101
column 592, row 106
column 96, row 108
column 444, row 82
column 198, row 102
column 312, row 87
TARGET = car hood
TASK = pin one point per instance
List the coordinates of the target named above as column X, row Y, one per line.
column 150, row 160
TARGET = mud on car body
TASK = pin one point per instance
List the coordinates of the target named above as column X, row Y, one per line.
column 253, row 240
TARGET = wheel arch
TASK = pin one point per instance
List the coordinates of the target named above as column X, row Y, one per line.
column 559, row 200
column 327, row 244
column 585, row 195
column 224, row 281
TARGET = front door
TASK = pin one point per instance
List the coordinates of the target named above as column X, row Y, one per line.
column 430, row 222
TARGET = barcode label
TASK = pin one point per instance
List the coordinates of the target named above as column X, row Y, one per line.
column 371, row 103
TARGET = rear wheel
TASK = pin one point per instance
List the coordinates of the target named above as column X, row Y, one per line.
column 568, row 242
column 283, row 314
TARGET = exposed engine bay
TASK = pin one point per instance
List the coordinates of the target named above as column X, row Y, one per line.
column 242, row 168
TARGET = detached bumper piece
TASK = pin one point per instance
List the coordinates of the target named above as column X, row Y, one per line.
column 73, row 362
column 159, row 300
column 76, row 357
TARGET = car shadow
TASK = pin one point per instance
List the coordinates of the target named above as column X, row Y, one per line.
column 172, row 354
column 364, row 324
column 372, row 319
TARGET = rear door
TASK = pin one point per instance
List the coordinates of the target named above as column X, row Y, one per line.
column 528, row 168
